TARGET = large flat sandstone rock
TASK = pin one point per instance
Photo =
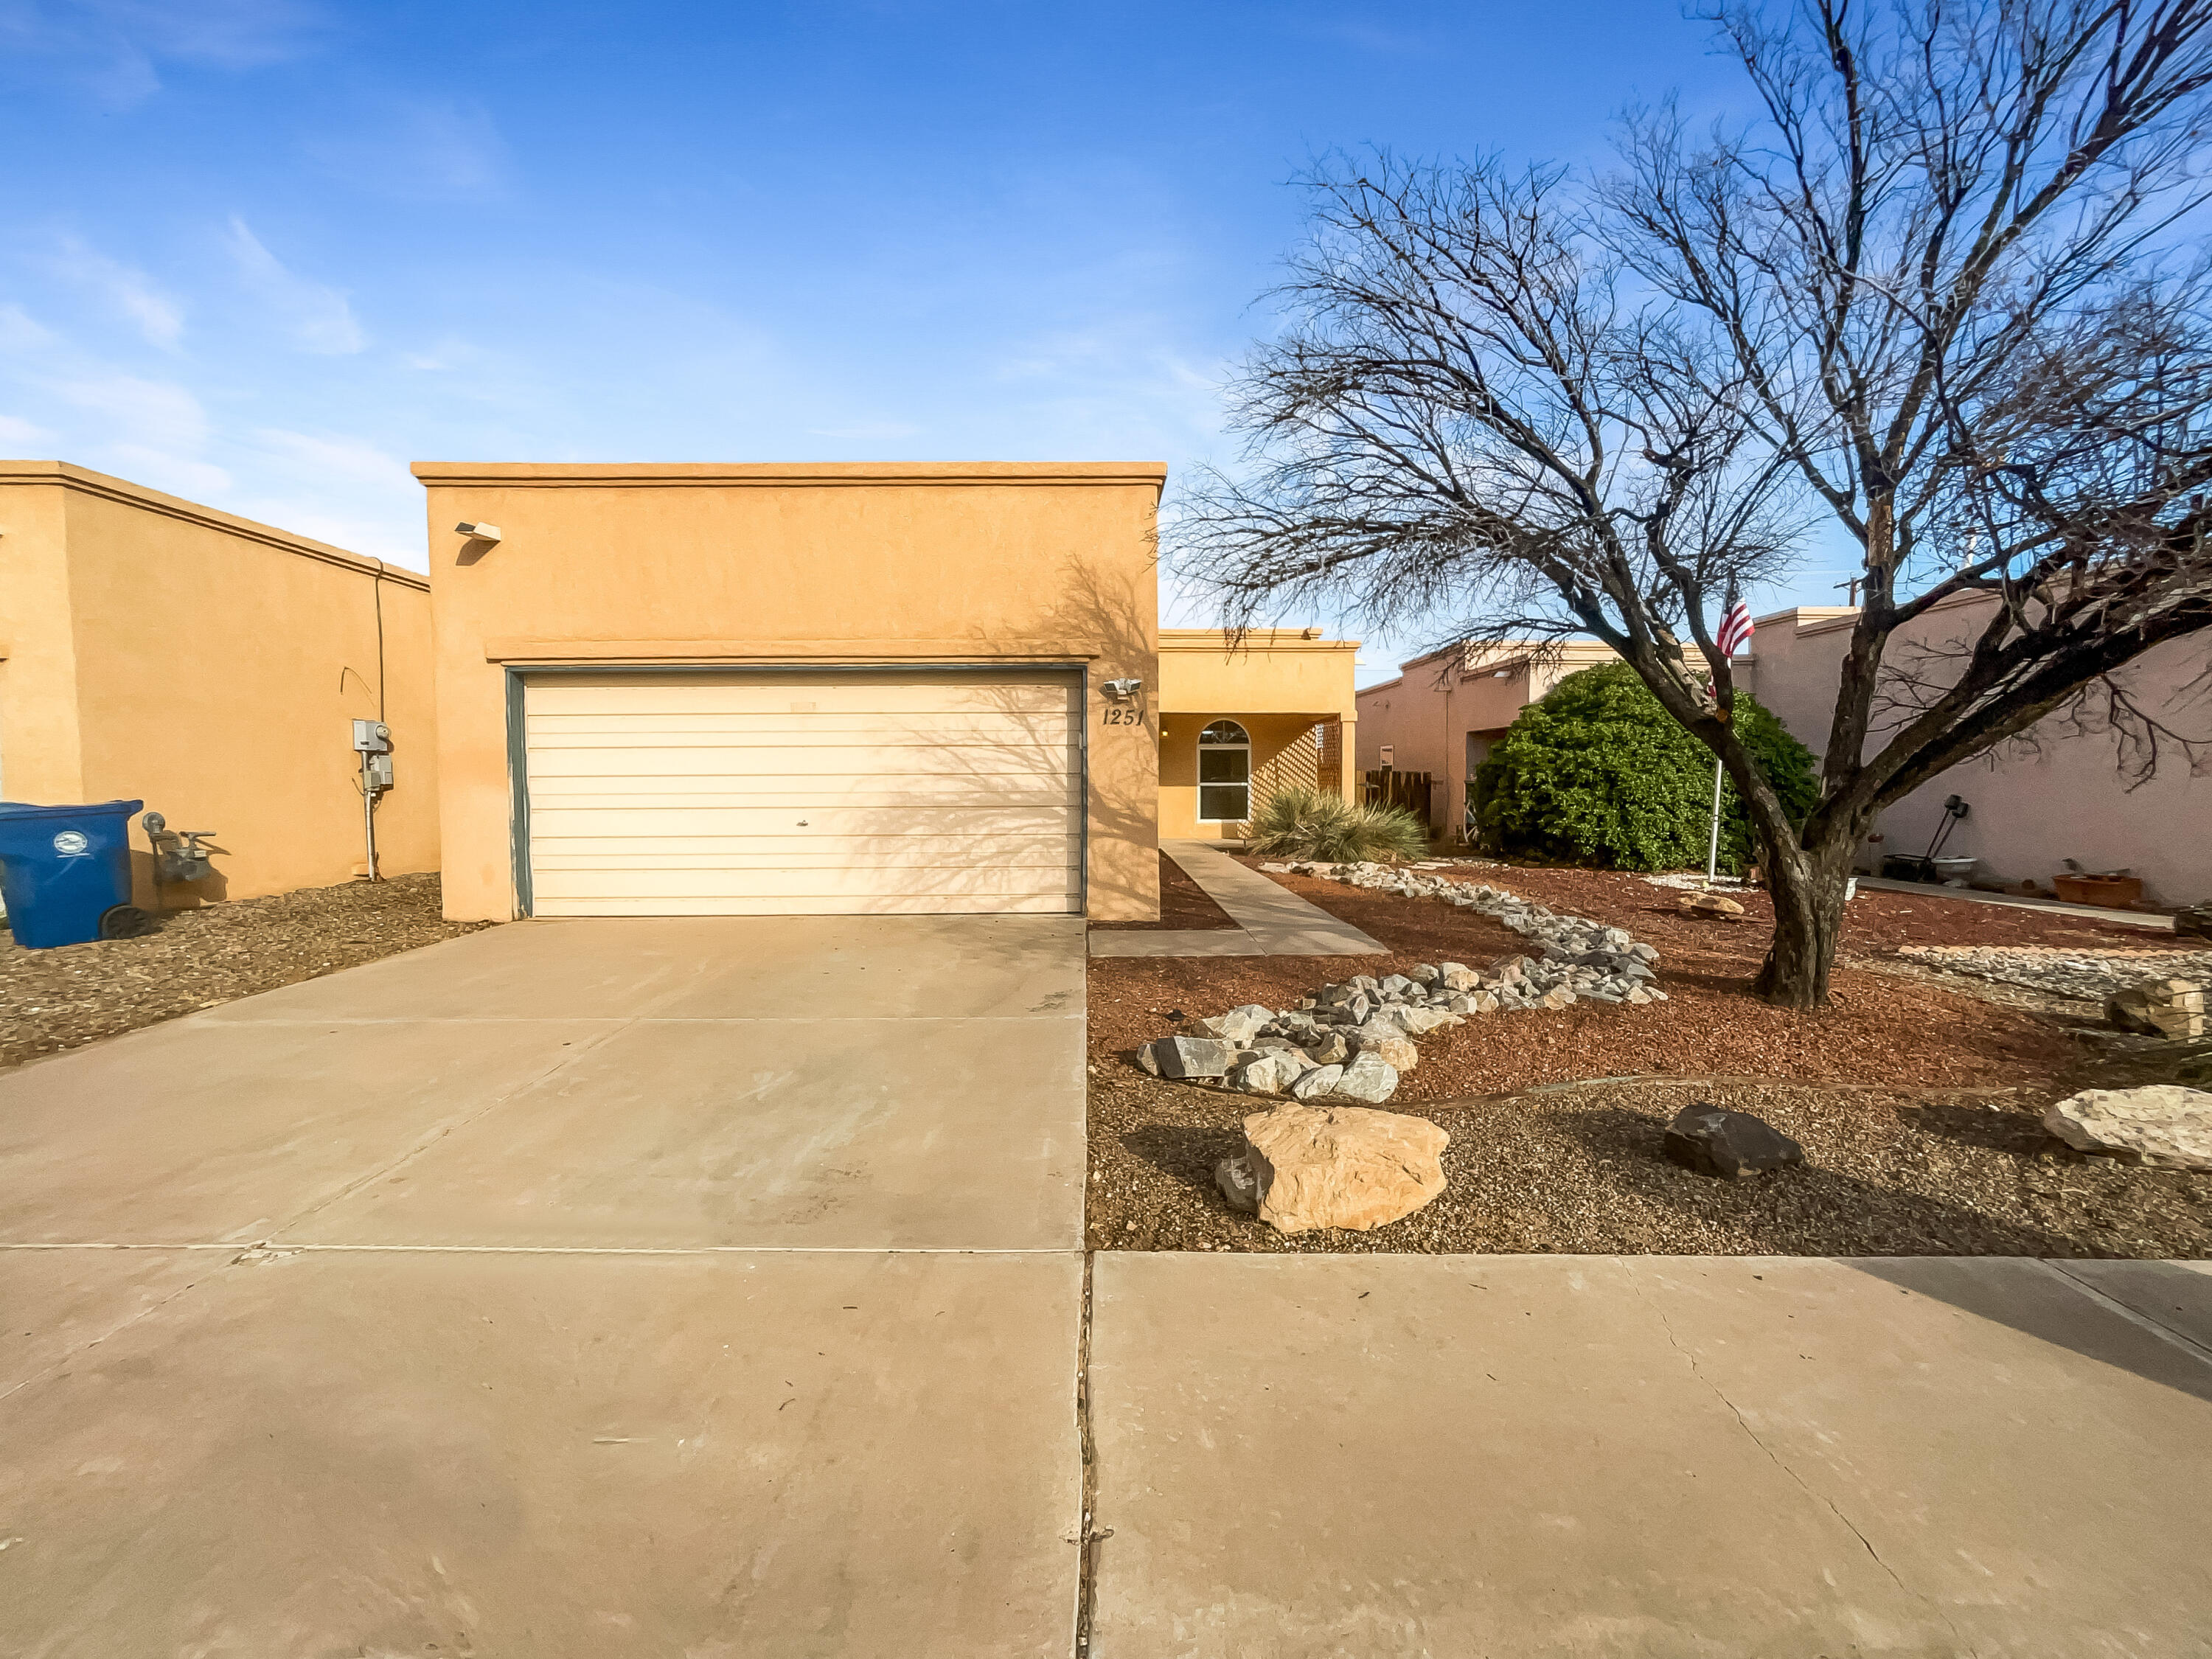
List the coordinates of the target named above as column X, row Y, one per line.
column 1306, row 1167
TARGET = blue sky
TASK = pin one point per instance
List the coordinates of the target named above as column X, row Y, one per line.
column 265, row 253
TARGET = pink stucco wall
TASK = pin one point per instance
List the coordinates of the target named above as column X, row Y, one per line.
column 1427, row 715
column 2033, row 806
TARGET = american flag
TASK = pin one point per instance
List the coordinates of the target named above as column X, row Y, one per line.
column 1736, row 628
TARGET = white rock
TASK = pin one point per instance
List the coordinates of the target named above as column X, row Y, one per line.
column 2164, row 1127
column 1370, row 1077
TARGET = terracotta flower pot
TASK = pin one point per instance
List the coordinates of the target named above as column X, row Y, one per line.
column 2112, row 892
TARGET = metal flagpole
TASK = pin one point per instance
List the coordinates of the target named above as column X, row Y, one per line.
column 1713, row 846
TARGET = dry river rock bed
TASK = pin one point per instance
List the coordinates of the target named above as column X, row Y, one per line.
column 1917, row 1096
column 64, row 998
column 1581, row 1168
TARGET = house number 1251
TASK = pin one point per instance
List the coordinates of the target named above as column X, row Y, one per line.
column 1122, row 717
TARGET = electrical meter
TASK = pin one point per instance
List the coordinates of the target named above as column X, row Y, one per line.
column 372, row 737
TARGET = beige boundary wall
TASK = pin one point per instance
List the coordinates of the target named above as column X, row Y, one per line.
column 152, row 648
column 1443, row 711
column 792, row 566
column 2033, row 805
column 1280, row 685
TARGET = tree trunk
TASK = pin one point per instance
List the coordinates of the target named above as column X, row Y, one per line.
column 1808, row 885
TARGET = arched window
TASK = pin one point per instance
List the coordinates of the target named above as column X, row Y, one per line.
column 1224, row 774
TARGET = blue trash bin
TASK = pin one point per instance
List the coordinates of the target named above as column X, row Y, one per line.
column 65, row 872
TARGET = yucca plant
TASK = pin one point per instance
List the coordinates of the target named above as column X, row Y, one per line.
column 1304, row 823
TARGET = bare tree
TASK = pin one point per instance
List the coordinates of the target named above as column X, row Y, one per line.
column 1927, row 297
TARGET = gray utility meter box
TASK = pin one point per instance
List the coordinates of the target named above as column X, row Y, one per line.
column 372, row 737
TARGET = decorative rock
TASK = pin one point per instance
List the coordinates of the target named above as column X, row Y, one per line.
column 1146, row 1060
column 1370, row 1077
column 1396, row 986
column 1241, row 1024
column 1510, row 971
column 1190, row 1057
column 1420, row 1022
column 2172, row 1008
column 1319, row 1082
column 1715, row 1141
column 1457, row 976
column 1238, row 1184
column 2163, row 1126
column 1331, row 1050
column 1270, row 1074
column 1426, row 976
column 1708, row 904
column 1310, row 1167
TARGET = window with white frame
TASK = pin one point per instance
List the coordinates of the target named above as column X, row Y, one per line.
column 1224, row 774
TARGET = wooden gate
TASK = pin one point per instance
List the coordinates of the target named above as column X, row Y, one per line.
column 1407, row 791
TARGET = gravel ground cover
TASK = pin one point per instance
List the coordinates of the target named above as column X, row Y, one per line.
column 1183, row 905
column 1578, row 1170
column 2086, row 973
column 1918, row 1102
column 75, row 994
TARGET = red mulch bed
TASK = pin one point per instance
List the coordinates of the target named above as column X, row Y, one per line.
column 1919, row 1106
column 1879, row 1028
column 1183, row 906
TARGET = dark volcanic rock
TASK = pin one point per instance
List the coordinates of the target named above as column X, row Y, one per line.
column 1715, row 1141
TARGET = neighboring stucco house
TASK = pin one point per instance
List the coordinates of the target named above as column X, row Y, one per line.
column 154, row 649
column 1444, row 710
column 2032, row 805
column 1244, row 714
column 757, row 690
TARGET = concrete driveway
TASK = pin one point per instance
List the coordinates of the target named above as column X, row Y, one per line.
column 715, row 1288
column 586, row 1287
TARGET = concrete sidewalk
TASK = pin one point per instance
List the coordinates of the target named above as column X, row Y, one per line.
column 1650, row 1457
column 1270, row 919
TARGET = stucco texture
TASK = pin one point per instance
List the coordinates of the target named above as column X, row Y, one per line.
column 795, row 567
column 1278, row 684
column 158, row 650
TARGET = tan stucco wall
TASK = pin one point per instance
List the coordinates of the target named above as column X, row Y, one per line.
column 2033, row 806
column 796, row 565
column 1426, row 714
column 211, row 668
column 1276, row 750
column 40, row 757
column 1278, row 683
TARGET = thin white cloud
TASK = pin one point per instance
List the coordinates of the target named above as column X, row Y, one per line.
column 19, row 331
column 114, row 48
column 314, row 316
column 446, row 151
column 125, row 289
column 231, row 34
column 20, row 437
column 156, row 416
column 350, row 458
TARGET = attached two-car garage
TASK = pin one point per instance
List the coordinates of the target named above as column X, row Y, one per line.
column 775, row 791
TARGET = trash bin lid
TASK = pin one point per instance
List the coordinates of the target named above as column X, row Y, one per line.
column 16, row 809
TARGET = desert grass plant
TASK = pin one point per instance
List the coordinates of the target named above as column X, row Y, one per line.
column 1305, row 823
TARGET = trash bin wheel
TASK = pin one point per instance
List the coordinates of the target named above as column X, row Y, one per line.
column 123, row 921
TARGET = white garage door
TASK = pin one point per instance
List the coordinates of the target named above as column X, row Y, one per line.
column 795, row 794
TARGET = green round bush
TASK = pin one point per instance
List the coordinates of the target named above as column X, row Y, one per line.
column 1597, row 773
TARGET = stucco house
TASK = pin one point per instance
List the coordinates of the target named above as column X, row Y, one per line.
column 758, row 689
column 1244, row 714
column 2032, row 805
column 153, row 648
column 1442, row 712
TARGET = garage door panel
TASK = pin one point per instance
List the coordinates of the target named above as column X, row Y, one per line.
column 871, row 904
column 868, row 762
column 1055, row 852
column 791, row 795
column 798, row 730
column 601, row 697
column 966, row 880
